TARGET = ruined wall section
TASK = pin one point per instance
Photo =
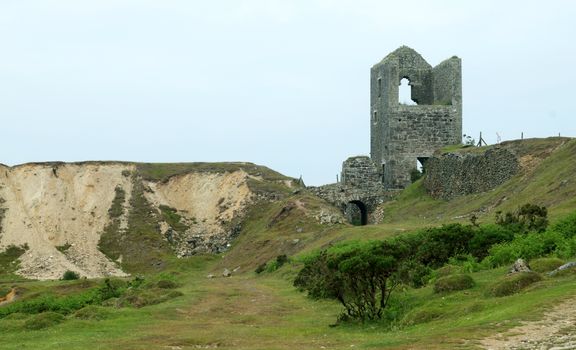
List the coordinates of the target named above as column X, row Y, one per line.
column 416, row 132
column 456, row 174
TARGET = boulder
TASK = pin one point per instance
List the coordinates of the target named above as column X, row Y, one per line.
column 520, row 266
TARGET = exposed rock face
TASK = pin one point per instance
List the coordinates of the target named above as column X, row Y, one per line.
column 457, row 174
column 60, row 211
column 210, row 205
column 51, row 205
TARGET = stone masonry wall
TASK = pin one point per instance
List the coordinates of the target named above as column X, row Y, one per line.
column 456, row 174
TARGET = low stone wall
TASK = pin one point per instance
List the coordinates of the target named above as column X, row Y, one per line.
column 456, row 174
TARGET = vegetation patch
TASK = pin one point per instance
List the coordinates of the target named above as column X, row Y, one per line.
column 117, row 208
column 92, row 313
column 171, row 216
column 514, row 283
column 453, row 283
column 64, row 248
column 44, row 320
column 9, row 258
column 141, row 245
column 70, row 275
column 543, row 265
column 423, row 315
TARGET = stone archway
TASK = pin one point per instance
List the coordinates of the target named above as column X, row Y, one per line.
column 356, row 213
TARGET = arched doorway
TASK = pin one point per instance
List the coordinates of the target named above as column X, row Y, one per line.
column 357, row 213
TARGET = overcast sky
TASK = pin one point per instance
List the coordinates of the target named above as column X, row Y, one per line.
column 280, row 83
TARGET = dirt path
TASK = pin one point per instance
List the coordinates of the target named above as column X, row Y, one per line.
column 10, row 297
column 556, row 331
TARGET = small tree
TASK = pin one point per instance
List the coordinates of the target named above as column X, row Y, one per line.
column 360, row 275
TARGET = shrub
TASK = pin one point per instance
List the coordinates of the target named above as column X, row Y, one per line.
column 485, row 237
column 261, row 268
column 453, row 283
column 44, row 320
column 530, row 246
column 567, row 226
column 70, row 275
column 543, row 265
column 414, row 273
column 92, row 313
column 529, row 217
column 466, row 263
column 358, row 274
column 512, row 284
column 436, row 245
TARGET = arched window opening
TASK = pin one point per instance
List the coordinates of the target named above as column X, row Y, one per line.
column 405, row 93
column 356, row 213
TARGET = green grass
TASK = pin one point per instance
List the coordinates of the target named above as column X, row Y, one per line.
column 250, row 311
column 266, row 312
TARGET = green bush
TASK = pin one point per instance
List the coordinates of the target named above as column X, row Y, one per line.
column 529, row 217
column 513, row 284
column 70, row 275
column 530, row 246
column 436, row 245
column 358, row 274
column 487, row 236
column 567, row 226
column 44, row 320
column 92, row 313
column 453, row 283
column 543, row 265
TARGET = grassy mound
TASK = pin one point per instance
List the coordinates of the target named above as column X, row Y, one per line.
column 543, row 265
column 453, row 283
column 514, row 283
column 92, row 313
column 44, row 320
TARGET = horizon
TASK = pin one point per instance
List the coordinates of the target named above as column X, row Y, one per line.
column 279, row 84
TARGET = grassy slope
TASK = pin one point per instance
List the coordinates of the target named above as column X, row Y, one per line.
column 265, row 312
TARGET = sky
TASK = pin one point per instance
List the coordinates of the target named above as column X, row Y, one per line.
column 280, row 83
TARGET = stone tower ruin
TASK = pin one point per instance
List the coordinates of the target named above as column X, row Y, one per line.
column 403, row 135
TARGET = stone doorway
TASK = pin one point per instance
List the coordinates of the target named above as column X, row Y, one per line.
column 357, row 213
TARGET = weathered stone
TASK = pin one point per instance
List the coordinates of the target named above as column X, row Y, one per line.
column 401, row 135
column 457, row 174
column 226, row 273
column 520, row 266
column 563, row 267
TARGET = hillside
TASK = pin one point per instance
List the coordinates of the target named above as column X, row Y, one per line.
column 111, row 218
column 186, row 303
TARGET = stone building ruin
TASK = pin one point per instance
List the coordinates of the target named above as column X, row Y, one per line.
column 401, row 136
